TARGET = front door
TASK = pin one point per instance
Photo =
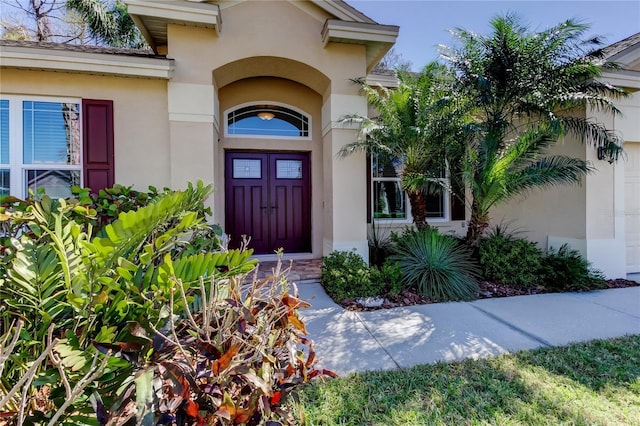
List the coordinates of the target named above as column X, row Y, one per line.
column 268, row 198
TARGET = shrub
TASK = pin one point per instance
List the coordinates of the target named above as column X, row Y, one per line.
column 389, row 275
column 108, row 317
column 509, row 260
column 567, row 270
column 437, row 265
column 380, row 244
column 345, row 275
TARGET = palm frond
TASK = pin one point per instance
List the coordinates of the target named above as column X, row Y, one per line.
column 547, row 172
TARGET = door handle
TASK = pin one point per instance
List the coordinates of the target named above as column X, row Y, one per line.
column 269, row 208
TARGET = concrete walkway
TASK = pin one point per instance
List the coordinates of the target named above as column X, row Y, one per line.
column 348, row 341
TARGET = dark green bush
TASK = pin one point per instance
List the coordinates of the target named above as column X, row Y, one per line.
column 567, row 270
column 390, row 274
column 437, row 265
column 380, row 245
column 346, row 275
column 509, row 260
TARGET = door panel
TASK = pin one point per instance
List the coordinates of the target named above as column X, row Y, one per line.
column 269, row 202
column 290, row 193
column 246, row 195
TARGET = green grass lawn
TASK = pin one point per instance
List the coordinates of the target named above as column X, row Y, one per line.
column 597, row 383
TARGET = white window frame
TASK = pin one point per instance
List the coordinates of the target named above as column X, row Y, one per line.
column 408, row 219
column 17, row 167
column 280, row 104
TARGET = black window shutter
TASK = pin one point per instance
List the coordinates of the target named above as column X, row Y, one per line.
column 457, row 196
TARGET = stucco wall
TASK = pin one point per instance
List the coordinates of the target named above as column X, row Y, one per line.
column 141, row 128
column 273, row 51
column 558, row 211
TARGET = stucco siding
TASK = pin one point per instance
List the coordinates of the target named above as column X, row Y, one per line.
column 141, row 127
column 558, row 211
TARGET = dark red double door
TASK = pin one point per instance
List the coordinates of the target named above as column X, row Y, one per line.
column 268, row 197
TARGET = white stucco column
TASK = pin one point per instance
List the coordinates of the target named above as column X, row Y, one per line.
column 193, row 132
column 345, row 183
column 605, row 230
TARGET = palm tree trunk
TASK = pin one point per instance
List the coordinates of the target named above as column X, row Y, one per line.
column 418, row 203
column 477, row 225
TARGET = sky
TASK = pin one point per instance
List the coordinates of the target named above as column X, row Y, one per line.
column 425, row 23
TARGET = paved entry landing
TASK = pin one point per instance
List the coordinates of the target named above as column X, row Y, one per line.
column 307, row 270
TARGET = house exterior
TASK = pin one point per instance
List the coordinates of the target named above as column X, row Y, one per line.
column 600, row 218
column 247, row 95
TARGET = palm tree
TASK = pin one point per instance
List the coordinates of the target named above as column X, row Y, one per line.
column 108, row 22
column 525, row 90
column 416, row 128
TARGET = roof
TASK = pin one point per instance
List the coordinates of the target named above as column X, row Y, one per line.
column 620, row 46
column 147, row 53
column 360, row 17
column 84, row 59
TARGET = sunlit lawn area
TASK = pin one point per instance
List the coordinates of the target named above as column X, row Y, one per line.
column 596, row 382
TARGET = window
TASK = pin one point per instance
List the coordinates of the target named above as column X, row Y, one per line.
column 390, row 202
column 267, row 120
column 40, row 146
column 5, row 182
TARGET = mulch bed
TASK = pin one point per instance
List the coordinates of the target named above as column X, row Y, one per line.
column 488, row 290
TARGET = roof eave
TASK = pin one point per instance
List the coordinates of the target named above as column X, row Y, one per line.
column 378, row 39
column 152, row 17
column 39, row 58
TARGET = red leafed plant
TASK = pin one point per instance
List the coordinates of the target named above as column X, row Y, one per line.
column 230, row 358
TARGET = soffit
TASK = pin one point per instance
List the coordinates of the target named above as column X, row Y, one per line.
column 152, row 17
column 377, row 38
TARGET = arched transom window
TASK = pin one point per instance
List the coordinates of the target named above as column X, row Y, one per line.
column 268, row 120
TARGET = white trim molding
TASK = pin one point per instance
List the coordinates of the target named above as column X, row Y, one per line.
column 41, row 58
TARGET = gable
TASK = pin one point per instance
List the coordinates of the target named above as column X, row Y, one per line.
column 626, row 53
column 338, row 22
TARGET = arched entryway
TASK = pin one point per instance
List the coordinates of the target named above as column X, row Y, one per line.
column 270, row 160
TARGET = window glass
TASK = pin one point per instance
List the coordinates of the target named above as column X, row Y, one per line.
column 4, row 131
column 4, row 182
column 389, row 200
column 51, row 133
column 288, row 169
column 55, row 183
column 267, row 120
column 436, row 204
column 385, row 168
column 247, row 169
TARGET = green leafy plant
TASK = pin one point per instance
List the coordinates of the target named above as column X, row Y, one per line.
column 525, row 90
column 567, row 270
column 90, row 284
column 379, row 240
column 507, row 259
column 226, row 353
column 437, row 265
column 390, row 274
column 346, row 275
